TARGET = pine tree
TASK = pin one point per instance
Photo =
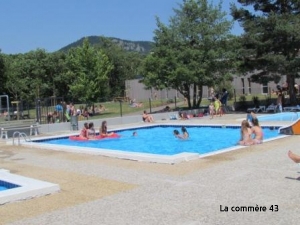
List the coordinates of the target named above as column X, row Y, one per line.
column 271, row 41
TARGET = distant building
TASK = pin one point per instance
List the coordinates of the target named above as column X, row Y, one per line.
column 241, row 84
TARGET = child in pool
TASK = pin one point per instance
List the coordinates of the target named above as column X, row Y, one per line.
column 185, row 134
column 83, row 132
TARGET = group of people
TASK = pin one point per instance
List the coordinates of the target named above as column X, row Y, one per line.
column 64, row 112
column 218, row 103
column 251, row 132
column 215, row 108
column 251, row 127
column 184, row 135
column 88, row 131
column 90, row 111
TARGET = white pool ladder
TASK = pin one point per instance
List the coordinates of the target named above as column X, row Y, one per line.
column 20, row 135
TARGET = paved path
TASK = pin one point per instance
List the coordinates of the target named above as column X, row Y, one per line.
column 101, row 190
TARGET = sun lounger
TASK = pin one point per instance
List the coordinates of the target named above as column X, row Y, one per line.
column 291, row 108
column 256, row 110
column 271, row 108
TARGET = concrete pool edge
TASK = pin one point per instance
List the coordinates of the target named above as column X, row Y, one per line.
column 237, row 147
column 29, row 188
column 169, row 159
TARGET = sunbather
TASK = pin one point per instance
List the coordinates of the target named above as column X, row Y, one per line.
column 294, row 157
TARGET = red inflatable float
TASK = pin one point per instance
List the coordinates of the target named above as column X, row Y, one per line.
column 98, row 137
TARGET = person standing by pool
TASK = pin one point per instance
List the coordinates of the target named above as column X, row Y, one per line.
column 257, row 131
column 250, row 116
column 279, row 101
column 245, row 134
column 103, row 130
column 211, row 110
column 224, row 97
column 217, row 105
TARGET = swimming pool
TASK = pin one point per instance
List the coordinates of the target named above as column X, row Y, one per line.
column 15, row 187
column 7, row 185
column 285, row 116
column 159, row 141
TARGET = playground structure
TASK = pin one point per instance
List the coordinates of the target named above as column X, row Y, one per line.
column 50, row 110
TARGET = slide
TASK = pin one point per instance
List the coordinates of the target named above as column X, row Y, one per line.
column 292, row 129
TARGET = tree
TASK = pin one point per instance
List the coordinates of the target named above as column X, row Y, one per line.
column 126, row 65
column 56, row 70
column 88, row 71
column 16, row 83
column 34, row 70
column 191, row 52
column 271, row 41
column 2, row 71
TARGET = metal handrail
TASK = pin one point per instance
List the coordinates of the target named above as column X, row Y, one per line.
column 20, row 134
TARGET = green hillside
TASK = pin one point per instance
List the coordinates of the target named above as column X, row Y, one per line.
column 134, row 46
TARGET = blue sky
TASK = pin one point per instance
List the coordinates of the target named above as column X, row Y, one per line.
column 52, row 24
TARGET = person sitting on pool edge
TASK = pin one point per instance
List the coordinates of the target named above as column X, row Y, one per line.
column 245, row 134
column 147, row 117
column 103, row 130
column 83, row 132
column 257, row 131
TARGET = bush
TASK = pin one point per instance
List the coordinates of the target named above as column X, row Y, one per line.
column 242, row 102
column 170, row 100
column 255, row 100
column 268, row 100
column 242, row 99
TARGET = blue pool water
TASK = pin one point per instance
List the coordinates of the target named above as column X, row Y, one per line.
column 6, row 185
column 160, row 140
column 285, row 116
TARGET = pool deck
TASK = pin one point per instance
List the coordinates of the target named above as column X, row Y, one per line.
column 104, row 190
